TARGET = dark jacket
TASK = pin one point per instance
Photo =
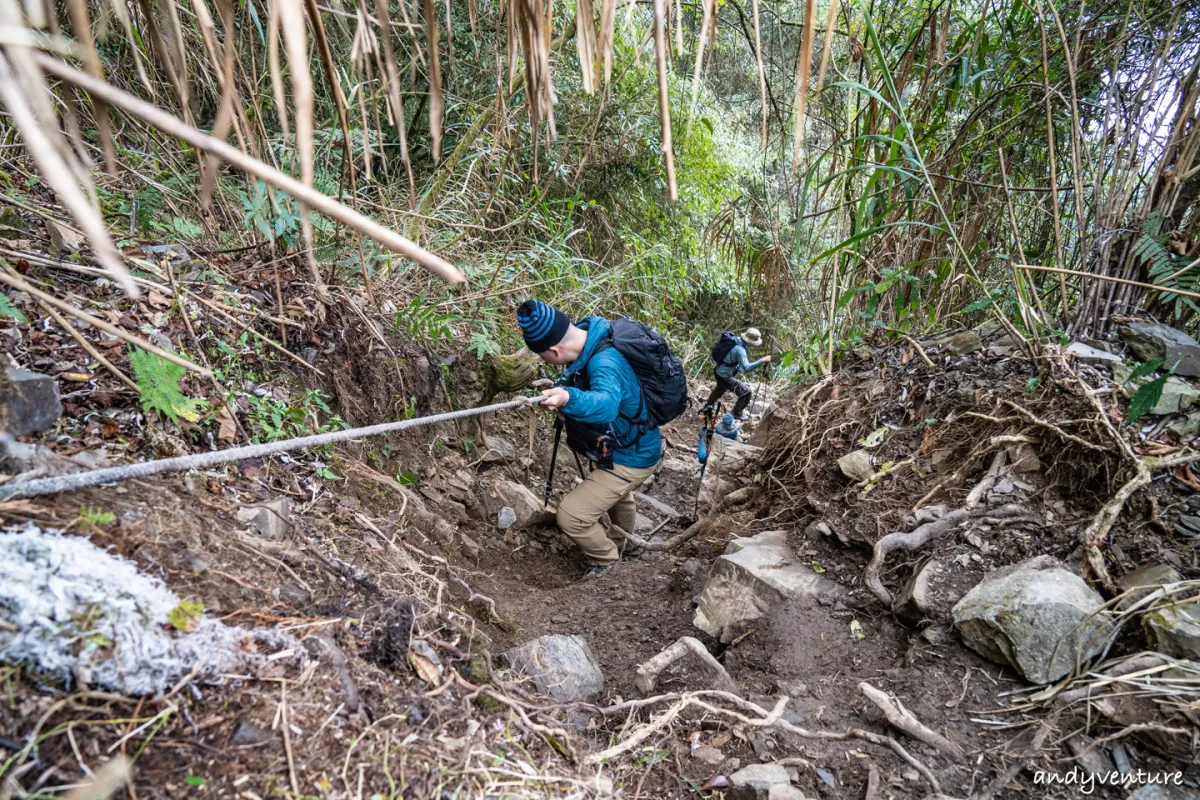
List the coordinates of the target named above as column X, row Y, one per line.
column 737, row 361
column 614, row 396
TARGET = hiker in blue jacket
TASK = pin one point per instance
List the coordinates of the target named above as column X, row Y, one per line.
column 601, row 391
column 733, row 362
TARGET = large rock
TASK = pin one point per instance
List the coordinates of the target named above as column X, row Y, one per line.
column 529, row 508
column 1036, row 616
column 751, row 578
column 1151, row 341
column 563, row 667
column 1177, row 394
column 28, row 402
column 1174, row 630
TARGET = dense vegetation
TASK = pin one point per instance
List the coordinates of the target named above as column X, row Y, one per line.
column 837, row 167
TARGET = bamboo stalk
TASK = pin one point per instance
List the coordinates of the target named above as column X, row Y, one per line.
column 830, row 18
column 762, row 77
column 803, row 67
column 171, row 125
column 664, row 100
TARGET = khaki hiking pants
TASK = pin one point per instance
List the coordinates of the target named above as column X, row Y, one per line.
column 608, row 490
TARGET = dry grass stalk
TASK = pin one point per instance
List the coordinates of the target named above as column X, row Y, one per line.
column 803, row 67
column 395, row 101
column 81, row 27
column 664, row 99
column 24, row 91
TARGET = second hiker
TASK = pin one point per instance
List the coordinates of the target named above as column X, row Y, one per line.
column 611, row 416
column 732, row 359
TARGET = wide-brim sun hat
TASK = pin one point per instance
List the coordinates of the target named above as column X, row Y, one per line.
column 752, row 337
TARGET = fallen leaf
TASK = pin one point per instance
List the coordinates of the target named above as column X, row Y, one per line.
column 78, row 377
column 227, row 428
column 157, row 300
column 856, row 630
column 857, row 754
column 874, row 438
column 186, row 616
column 715, row 782
column 817, row 568
column 907, row 357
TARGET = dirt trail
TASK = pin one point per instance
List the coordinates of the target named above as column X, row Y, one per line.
column 803, row 649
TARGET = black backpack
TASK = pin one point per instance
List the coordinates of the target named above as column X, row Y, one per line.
column 724, row 346
column 660, row 375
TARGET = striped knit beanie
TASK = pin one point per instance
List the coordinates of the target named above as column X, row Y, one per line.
column 543, row 326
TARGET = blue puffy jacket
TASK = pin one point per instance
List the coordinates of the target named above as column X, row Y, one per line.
column 614, row 396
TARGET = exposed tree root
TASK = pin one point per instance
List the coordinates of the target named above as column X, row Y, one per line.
column 761, row 719
column 900, row 717
column 649, row 672
column 922, row 535
column 704, row 525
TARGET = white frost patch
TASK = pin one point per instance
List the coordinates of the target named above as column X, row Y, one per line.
column 73, row 611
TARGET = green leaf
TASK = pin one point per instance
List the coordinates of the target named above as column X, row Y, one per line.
column 856, row 631
column 979, row 305
column 7, row 309
column 407, row 478
column 1145, row 370
column 1145, row 398
column 874, row 438
column 186, row 616
column 159, row 381
column 817, row 568
column 195, row 780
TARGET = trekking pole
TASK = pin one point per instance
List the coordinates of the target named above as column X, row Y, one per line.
column 708, row 421
column 558, row 429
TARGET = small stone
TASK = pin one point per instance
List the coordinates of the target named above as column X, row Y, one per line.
column 1185, row 428
column 856, row 465
column 529, row 508
column 961, row 344
column 197, row 565
column 709, row 755
column 754, row 778
column 271, row 519
column 292, row 595
column 911, row 775
column 29, row 402
column 560, row 619
column 63, row 239
column 817, row 529
column 248, row 733
column 935, row 635
column 827, row 777
column 1092, row 355
column 506, row 518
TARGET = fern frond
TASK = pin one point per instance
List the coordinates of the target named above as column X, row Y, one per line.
column 159, row 381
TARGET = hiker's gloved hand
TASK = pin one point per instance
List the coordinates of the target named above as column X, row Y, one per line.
column 555, row 398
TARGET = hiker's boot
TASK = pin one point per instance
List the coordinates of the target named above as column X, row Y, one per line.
column 596, row 570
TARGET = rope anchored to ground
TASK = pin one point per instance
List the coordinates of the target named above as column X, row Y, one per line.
column 96, row 477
